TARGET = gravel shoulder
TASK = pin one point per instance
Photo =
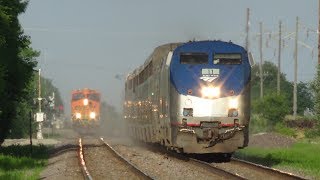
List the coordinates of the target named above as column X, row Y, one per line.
column 63, row 166
column 63, row 162
column 270, row 140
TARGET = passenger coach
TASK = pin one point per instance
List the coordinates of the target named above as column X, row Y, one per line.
column 193, row 97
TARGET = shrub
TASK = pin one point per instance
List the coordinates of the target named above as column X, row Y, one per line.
column 313, row 133
column 272, row 107
column 300, row 121
column 258, row 124
column 282, row 129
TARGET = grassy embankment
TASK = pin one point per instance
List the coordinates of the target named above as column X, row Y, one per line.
column 303, row 156
column 16, row 162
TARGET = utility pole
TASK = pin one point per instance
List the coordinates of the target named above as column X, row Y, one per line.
column 30, row 131
column 247, row 29
column 279, row 60
column 39, row 90
column 260, row 65
column 39, row 115
column 295, row 70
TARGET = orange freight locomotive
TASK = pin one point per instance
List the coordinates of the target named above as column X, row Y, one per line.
column 85, row 108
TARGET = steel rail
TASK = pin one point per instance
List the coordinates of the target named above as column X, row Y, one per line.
column 271, row 171
column 216, row 170
column 82, row 162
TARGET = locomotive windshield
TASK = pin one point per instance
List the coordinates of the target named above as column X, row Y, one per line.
column 94, row 97
column 77, row 96
column 227, row 59
column 194, row 58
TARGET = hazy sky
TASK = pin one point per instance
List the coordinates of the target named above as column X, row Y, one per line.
column 87, row 43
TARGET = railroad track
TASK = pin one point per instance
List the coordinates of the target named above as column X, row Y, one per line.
column 84, row 168
column 135, row 169
column 240, row 169
column 115, row 160
column 215, row 171
column 259, row 171
column 235, row 169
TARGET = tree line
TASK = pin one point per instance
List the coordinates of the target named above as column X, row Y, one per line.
column 17, row 75
column 273, row 108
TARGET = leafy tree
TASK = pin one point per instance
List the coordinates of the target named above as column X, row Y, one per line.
column 16, row 65
column 304, row 93
column 272, row 107
column 315, row 85
column 269, row 82
column 20, row 124
column 19, row 127
column 305, row 97
column 47, row 89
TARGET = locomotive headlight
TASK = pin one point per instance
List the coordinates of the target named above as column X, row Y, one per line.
column 78, row 116
column 85, row 102
column 92, row 115
column 210, row 92
column 233, row 104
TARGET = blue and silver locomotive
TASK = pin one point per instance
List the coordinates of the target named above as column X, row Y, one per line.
column 192, row 97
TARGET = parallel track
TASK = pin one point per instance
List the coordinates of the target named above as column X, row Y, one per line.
column 86, row 172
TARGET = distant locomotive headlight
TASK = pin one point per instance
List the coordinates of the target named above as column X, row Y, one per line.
column 85, row 102
column 210, row 92
column 233, row 104
column 78, row 116
column 92, row 115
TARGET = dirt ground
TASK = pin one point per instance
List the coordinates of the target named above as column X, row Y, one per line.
column 270, row 140
column 63, row 162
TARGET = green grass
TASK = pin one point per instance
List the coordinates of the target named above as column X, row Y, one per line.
column 16, row 162
column 51, row 135
column 301, row 156
column 282, row 129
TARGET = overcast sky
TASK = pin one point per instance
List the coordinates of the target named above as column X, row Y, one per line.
column 87, row 43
